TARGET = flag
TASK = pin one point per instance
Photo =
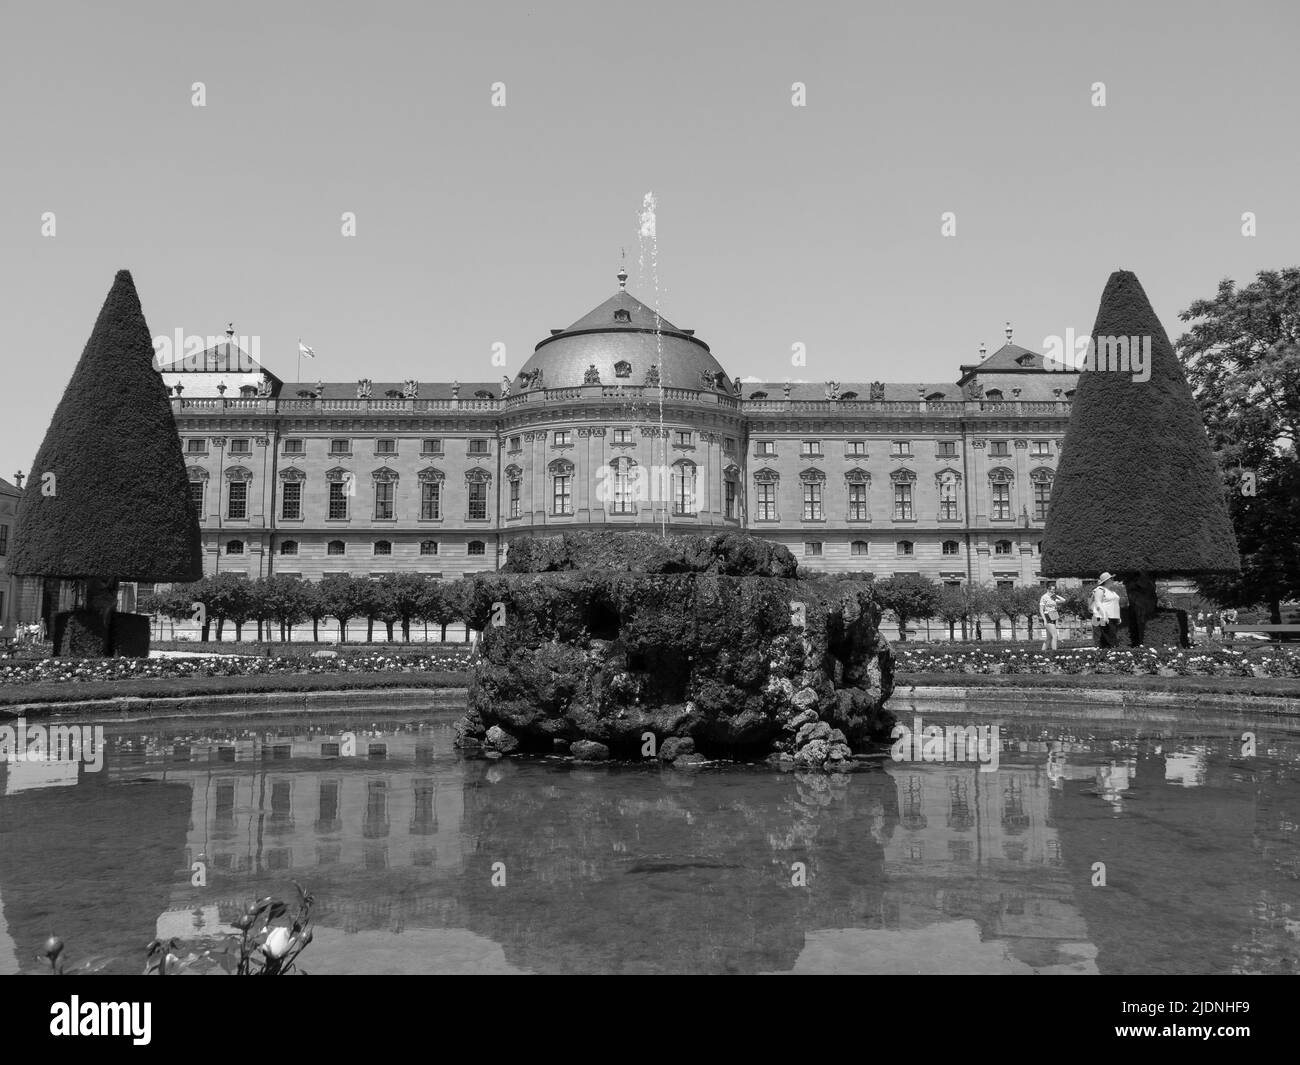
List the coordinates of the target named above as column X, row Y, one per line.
column 303, row 349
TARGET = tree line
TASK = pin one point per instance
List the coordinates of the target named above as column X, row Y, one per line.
column 284, row 602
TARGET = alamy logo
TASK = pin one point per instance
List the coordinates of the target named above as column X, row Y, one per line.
column 1073, row 354
column 955, row 743
column 102, row 1018
column 54, row 743
column 199, row 354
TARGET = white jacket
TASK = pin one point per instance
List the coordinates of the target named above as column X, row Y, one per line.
column 1105, row 604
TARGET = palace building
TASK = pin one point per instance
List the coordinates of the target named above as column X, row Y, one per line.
column 621, row 420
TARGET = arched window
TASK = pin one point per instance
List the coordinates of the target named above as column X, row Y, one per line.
column 335, row 547
column 383, row 547
column 994, row 394
column 904, row 483
column 622, row 315
column 758, row 395
column 1002, row 547
column 515, row 480
column 428, row 547
column 730, row 491
column 477, row 547
column 858, row 480
column 951, row 547
column 848, row 395
column 483, row 393
column 561, row 474
column 1000, row 481
column 683, row 487
column 1041, row 479
column 859, row 547
column 289, row 547
column 385, row 493
column 949, row 484
column 904, row 548
column 814, row 483
column 766, row 482
column 625, row 482
column 248, row 392
column 234, row 547
column 342, row 487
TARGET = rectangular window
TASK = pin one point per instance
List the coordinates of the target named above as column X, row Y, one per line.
column 729, row 498
column 1002, row 501
column 515, row 487
column 810, row 449
column 622, row 436
column 1041, row 449
column 857, row 502
column 624, row 493
column 197, row 447
column 294, row 447
column 812, row 501
column 857, row 448
column 516, row 443
column 241, row 446
column 900, row 449
column 340, row 447
column 385, row 447
column 729, row 445
column 1005, row 584
column 238, row 507
column 563, row 438
column 431, row 447
column 947, row 449
column 291, row 500
column 477, row 500
column 338, row 501
column 682, row 439
column 384, row 500
column 813, row 548
column 196, row 497
column 767, row 448
column 1042, row 496
column 999, row 449
column 948, row 500
column 902, row 501
column 478, row 447
column 562, row 500
column 766, row 501
column 430, row 500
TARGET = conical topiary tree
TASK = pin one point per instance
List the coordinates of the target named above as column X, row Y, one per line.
column 108, row 498
column 1137, row 491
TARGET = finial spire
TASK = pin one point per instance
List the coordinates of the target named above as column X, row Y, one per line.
column 1008, row 332
column 622, row 271
column 984, row 350
column 230, row 330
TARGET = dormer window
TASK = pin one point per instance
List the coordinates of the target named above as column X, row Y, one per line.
column 622, row 368
column 758, row 395
column 1026, row 359
column 994, row 394
column 622, row 315
column 483, row 394
column 848, row 395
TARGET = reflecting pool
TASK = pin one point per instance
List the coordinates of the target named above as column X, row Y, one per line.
column 425, row 861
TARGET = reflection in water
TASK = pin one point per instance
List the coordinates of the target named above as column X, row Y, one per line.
column 423, row 861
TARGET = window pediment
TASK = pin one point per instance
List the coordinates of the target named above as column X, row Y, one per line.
column 1042, row 475
column 904, row 475
column 1001, row 475
column 431, row 473
column 766, row 476
column 238, row 473
column 196, row 473
column 477, row 476
column 560, row 468
column 338, row 473
column 513, row 472
column 812, row 474
column 384, row 474
column 858, row 475
column 292, row 473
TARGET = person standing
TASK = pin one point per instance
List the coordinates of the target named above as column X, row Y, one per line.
column 1047, row 604
column 1105, row 611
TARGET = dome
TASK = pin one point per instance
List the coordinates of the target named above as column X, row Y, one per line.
column 623, row 330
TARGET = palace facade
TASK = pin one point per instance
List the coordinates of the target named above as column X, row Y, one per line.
column 621, row 420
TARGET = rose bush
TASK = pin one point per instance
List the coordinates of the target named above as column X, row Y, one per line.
column 71, row 670
column 1149, row 661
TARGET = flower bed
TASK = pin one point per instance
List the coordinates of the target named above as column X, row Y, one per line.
column 1139, row 661
column 74, row 671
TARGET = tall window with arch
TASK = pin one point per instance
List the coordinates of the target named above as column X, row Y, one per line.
column 1000, row 482
column 683, row 487
column 1041, row 479
column 561, row 472
column 949, row 484
column 623, row 477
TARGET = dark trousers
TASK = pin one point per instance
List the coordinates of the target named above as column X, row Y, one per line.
column 1108, row 633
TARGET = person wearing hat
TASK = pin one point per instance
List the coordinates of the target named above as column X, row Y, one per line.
column 1105, row 611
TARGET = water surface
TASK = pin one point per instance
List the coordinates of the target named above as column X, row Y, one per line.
column 425, row 861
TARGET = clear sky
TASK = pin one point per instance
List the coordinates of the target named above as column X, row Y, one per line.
column 776, row 224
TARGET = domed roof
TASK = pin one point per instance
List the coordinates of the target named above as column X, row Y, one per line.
column 623, row 330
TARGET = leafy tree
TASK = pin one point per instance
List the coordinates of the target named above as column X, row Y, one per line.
column 910, row 597
column 979, row 605
column 404, row 595
column 345, row 597
column 1005, row 603
column 232, row 599
column 315, row 607
column 108, row 499
column 1242, row 357
column 1137, row 488
column 950, row 606
column 1027, row 597
column 284, row 599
